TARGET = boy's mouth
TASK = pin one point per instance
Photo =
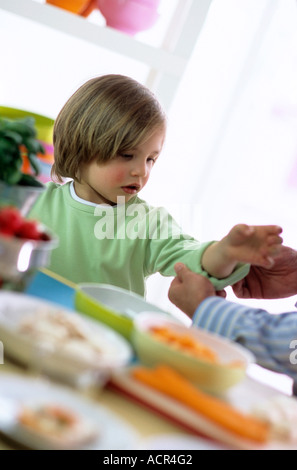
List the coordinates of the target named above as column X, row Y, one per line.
column 131, row 188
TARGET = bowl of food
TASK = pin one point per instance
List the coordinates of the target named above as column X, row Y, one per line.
column 49, row 426
column 112, row 305
column 59, row 342
column 43, row 127
column 25, row 245
column 44, row 124
column 211, row 362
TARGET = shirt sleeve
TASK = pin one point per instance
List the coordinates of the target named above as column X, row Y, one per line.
column 169, row 245
column 272, row 338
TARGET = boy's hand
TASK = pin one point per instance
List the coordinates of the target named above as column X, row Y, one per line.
column 257, row 245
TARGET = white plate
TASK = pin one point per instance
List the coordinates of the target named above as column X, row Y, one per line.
column 113, row 433
column 41, row 356
column 243, row 397
column 180, row 442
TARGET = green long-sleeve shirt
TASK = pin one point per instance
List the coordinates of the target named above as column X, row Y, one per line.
column 120, row 245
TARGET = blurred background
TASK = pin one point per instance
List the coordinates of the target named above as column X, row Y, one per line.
column 231, row 150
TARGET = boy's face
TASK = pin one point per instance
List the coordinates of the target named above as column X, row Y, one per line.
column 124, row 176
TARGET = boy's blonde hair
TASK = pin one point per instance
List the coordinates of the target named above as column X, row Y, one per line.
column 104, row 117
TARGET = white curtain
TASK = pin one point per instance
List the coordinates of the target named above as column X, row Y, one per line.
column 231, row 153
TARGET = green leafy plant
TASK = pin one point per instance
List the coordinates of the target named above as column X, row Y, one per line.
column 17, row 138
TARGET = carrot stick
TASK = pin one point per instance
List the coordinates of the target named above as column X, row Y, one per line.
column 168, row 381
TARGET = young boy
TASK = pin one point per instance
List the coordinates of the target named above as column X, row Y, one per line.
column 107, row 138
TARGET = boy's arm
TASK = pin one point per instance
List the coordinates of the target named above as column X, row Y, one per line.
column 256, row 245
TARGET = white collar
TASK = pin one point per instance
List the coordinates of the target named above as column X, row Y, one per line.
column 79, row 199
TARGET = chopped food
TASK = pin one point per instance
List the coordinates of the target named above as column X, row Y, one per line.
column 12, row 224
column 65, row 334
column 56, row 426
column 187, row 344
column 171, row 383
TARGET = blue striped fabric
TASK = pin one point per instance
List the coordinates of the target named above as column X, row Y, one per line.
column 272, row 338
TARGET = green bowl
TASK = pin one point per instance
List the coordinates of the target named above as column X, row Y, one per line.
column 211, row 377
column 112, row 305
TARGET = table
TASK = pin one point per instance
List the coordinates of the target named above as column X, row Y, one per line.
column 47, row 286
column 147, row 424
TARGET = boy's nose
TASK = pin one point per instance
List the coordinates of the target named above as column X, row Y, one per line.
column 139, row 169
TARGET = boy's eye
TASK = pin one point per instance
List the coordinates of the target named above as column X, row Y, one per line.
column 152, row 160
column 126, row 155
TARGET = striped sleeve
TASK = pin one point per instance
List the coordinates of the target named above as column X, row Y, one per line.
column 272, row 338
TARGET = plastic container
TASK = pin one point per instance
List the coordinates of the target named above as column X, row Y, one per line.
column 129, row 16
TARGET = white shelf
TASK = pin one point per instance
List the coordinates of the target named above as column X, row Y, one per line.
column 167, row 63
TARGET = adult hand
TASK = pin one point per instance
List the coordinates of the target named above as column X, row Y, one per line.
column 188, row 289
column 276, row 282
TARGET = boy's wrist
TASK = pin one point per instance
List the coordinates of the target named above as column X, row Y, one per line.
column 226, row 259
column 217, row 259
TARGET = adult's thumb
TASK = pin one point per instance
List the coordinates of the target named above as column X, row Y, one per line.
column 180, row 270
